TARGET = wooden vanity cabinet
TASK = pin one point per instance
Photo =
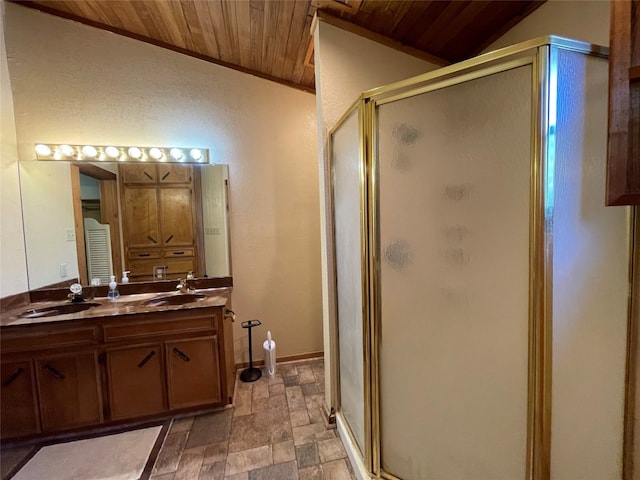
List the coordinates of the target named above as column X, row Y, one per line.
column 136, row 381
column 69, row 390
column 92, row 372
column 18, row 399
column 193, row 372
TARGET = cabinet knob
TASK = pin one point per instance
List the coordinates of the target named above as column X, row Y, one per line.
column 12, row 378
column 146, row 358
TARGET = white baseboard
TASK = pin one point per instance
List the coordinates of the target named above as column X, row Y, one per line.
column 353, row 452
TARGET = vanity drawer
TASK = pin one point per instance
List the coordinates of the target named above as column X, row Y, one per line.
column 144, row 254
column 152, row 328
column 175, row 266
column 53, row 339
column 179, row 252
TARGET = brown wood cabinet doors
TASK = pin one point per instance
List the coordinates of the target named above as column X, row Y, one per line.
column 136, row 381
column 19, row 406
column 69, row 388
column 193, row 371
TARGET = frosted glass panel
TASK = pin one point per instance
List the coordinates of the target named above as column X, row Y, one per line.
column 590, row 278
column 346, row 198
column 454, row 236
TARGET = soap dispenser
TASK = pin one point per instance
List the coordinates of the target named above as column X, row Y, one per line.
column 125, row 278
column 113, row 289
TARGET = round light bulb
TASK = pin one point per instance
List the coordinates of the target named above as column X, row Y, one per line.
column 176, row 153
column 89, row 151
column 195, row 153
column 112, row 152
column 66, row 150
column 43, row 150
column 155, row 153
column 135, row 152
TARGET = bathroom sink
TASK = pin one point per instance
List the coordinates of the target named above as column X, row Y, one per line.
column 57, row 310
column 179, row 299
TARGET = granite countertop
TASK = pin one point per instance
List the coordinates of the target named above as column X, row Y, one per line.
column 125, row 305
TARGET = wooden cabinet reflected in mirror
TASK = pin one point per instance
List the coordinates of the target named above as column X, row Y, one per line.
column 623, row 163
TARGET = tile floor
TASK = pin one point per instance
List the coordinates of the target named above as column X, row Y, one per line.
column 274, row 432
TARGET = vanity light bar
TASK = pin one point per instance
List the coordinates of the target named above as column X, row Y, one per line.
column 112, row 153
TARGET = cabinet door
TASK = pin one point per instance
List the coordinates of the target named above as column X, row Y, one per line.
column 141, row 216
column 176, row 216
column 142, row 173
column 69, row 391
column 193, row 372
column 19, row 411
column 136, row 381
column 171, row 173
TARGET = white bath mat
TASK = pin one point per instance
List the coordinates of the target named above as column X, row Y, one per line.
column 114, row 457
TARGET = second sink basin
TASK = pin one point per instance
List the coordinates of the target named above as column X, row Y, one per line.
column 57, row 310
column 180, row 299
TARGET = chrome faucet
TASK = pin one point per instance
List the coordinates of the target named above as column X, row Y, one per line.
column 182, row 286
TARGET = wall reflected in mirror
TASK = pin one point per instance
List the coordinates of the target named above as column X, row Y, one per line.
column 61, row 246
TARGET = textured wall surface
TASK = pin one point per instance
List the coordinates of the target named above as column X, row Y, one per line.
column 13, row 269
column 586, row 20
column 77, row 84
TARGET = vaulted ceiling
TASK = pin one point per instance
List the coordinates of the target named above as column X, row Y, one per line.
column 272, row 38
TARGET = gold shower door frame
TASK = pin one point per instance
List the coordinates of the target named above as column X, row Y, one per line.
column 541, row 54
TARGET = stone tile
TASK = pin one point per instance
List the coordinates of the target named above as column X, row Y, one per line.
column 210, row 428
column 309, row 389
column 278, row 418
column 181, row 425
column 250, row 431
column 307, row 455
column 317, row 366
column 299, row 417
column 281, row 471
column 190, row 464
column 242, row 403
column 167, row 461
column 316, row 415
column 320, row 383
column 214, row 471
column 336, row 470
column 267, row 403
column 288, row 370
column 310, row 473
column 314, row 432
column 305, row 374
column 166, row 476
column 295, row 398
column 238, row 476
column 276, row 379
column 291, row 381
column 283, row 451
column 330, row 450
column 11, row 457
column 215, row 452
column 260, row 389
column 276, row 389
column 247, row 460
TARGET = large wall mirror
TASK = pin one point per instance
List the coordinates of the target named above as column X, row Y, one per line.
column 66, row 206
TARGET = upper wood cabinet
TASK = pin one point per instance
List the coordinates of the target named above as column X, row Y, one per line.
column 623, row 163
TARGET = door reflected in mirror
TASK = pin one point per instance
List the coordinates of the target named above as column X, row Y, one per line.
column 177, row 219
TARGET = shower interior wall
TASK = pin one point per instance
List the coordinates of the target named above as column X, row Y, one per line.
column 495, row 284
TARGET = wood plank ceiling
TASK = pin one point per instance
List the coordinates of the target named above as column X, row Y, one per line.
column 272, row 38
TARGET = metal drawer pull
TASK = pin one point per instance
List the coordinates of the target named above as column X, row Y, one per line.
column 182, row 355
column 144, row 254
column 167, row 240
column 148, row 176
column 152, row 239
column 147, row 358
column 178, row 253
column 55, row 372
column 11, row 379
column 166, row 175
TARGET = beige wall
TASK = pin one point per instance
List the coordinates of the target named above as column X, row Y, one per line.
column 73, row 83
column 13, row 270
column 586, row 20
